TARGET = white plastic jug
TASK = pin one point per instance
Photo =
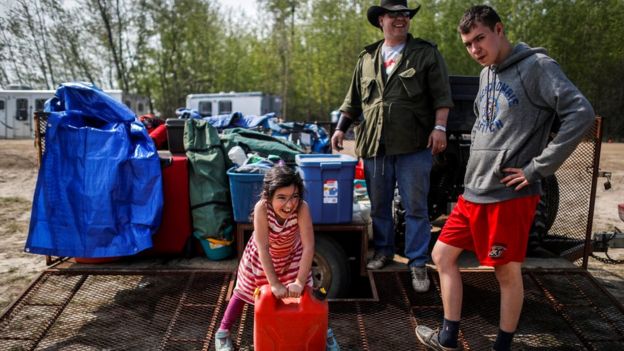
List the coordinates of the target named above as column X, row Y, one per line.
column 237, row 155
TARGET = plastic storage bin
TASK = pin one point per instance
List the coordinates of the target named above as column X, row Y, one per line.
column 328, row 180
column 245, row 189
column 217, row 249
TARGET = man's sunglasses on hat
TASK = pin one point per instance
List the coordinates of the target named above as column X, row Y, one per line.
column 396, row 14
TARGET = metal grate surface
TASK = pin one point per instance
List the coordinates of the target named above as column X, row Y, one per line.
column 157, row 311
column 571, row 230
column 564, row 310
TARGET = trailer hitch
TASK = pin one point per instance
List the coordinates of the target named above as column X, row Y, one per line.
column 605, row 174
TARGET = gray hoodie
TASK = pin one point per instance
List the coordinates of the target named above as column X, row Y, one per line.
column 518, row 102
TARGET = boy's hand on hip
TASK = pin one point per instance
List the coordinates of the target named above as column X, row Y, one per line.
column 279, row 291
column 294, row 289
column 516, row 177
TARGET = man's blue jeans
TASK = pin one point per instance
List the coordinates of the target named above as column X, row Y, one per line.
column 411, row 172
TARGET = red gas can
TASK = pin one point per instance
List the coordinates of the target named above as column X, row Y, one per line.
column 283, row 325
column 359, row 169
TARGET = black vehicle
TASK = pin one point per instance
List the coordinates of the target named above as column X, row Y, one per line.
column 335, row 255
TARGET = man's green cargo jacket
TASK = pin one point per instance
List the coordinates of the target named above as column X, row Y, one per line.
column 402, row 108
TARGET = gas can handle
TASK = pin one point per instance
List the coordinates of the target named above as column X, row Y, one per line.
column 306, row 296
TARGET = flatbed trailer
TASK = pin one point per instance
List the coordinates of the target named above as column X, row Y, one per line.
column 177, row 304
column 130, row 307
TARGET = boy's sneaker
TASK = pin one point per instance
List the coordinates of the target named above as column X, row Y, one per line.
column 223, row 342
column 379, row 261
column 420, row 279
column 429, row 338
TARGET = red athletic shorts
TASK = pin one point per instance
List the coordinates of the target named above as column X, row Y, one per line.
column 498, row 233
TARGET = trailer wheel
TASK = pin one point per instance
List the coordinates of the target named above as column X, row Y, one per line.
column 546, row 211
column 330, row 267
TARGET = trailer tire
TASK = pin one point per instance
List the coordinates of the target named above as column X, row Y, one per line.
column 330, row 267
column 546, row 211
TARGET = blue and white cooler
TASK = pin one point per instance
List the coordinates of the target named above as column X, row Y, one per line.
column 328, row 179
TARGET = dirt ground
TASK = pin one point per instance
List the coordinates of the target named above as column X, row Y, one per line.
column 18, row 175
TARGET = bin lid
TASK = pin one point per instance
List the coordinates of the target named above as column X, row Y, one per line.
column 232, row 173
column 314, row 160
column 175, row 122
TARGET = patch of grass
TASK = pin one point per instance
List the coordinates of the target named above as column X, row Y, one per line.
column 22, row 279
column 11, row 200
column 12, row 211
column 14, row 227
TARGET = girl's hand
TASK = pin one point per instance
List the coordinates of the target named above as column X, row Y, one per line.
column 279, row 290
column 294, row 289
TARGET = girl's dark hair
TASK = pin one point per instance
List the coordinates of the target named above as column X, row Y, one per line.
column 478, row 14
column 279, row 177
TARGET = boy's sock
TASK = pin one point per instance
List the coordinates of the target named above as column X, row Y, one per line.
column 503, row 341
column 449, row 333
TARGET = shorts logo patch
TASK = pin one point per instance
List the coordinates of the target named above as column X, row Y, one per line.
column 497, row 251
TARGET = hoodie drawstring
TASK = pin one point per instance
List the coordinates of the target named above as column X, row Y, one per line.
column 383, row 165
column 490, row 107
column 374, row 166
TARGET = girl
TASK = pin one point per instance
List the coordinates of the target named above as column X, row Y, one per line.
column 280, row 250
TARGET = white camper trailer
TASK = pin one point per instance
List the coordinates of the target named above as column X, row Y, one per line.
column 17, row 108
column 248, row 103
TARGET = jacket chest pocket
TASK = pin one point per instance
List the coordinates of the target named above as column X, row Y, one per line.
column 367, row 86
column 410, row 82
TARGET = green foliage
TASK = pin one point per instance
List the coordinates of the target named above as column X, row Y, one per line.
column 184, row 56
column 331, row 38
column 303, row 50
column 437, row 22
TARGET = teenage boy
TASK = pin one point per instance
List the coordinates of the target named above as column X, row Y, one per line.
column 521, row 93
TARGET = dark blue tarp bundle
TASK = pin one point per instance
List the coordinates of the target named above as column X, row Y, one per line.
column 99, row 189
column 238, row 120
column 232, row 120
column 319, row 141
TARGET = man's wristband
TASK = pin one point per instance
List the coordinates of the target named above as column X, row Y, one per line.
column 344, row 123
column 440, row 128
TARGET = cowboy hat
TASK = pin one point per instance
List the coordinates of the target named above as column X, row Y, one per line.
column 388, row 6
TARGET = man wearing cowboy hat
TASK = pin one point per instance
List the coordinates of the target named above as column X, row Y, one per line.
column 400, row 86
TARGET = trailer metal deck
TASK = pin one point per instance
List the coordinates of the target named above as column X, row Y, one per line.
column 181, row 310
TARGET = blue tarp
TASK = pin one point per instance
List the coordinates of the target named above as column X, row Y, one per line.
column 232, row 120
column 99, row 188
column 185, row 113
column 238, row 120
column 318, row 140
